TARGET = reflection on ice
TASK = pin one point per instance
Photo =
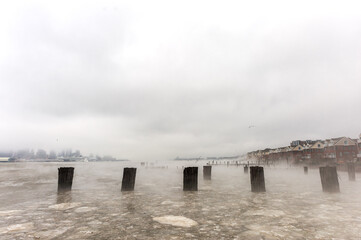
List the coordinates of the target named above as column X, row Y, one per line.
column 17, row 228
column 9, row 212
column 64, row 206
column 50, row 234
column 85, row 209
column 264, row 212
column 178, row 221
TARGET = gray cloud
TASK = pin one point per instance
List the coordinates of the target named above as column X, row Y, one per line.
column 144, row 81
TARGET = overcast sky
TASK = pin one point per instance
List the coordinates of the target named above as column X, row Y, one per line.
column 159, row 79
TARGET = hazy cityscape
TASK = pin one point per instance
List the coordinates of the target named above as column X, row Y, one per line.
column 40, row 155
column 314, row 152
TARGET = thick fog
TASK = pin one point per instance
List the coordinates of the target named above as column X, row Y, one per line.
column 160, row 79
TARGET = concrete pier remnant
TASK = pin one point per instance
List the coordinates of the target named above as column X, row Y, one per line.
column 257, row 179
column 351, row 171
column 128, row 181
column 207, row 172
column 329, row 179
column 190, row 179
column 65, row 178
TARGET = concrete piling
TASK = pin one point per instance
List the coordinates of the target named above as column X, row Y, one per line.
column 329, row 179
column 257, row 179
column 65, row 178
column 207, row 172
column 351, row 171
column 190, row 179
column 128, row 181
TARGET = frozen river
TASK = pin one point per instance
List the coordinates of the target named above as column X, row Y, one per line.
column 294, row 206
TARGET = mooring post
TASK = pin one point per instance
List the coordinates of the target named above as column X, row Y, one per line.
column 351, row 171
column 207, row 172
column 257, row 179
column 128, row 181
column 329, row 179
column 190, row 179
column 65, row 178
column 245, row 169
column 305, row 170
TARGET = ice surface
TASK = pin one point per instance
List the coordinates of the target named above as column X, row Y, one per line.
column 64, row 206
column 17, row 228
column 294, row 206
column 178, row 221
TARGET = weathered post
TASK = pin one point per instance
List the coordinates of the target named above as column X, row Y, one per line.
column 257, row 179
column 245, row 169
column 305, row 170
column 207, row 172
column 65, row 178
column 329, row 179
column 128, row 179
column 190, row 179
column 142, row 164
column 351, row 171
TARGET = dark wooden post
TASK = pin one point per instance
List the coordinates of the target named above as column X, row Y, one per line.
column 257, row 179
column 190, row 179
column 305, row 170
column 245, row 169
column 207, row 172
column 351, row 171
column 65, row 178
column 329, row 179
column 128, row 179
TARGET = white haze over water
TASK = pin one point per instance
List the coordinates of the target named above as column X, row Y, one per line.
column 294, row 206
column 158, row 79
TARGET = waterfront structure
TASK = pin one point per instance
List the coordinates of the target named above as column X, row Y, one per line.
column 333, row 150
column 4, row 159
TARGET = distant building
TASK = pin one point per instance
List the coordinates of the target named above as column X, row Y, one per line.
column 317, row 150
column 4, row 159
column 336, row 150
